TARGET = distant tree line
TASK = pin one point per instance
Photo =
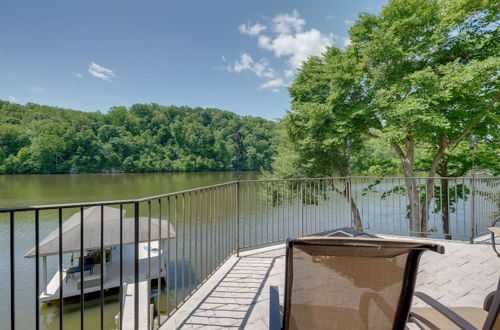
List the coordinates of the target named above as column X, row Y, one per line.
column 142, row 138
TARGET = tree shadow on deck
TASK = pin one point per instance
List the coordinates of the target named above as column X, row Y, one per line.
column 232, row 300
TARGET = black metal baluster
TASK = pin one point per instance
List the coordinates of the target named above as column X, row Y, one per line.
column 168, row 256
column 61, row 270
column 160, row 262
column 121, row 267
column 82, row 296
column 136, row 266
column 102, row 268
column 37, row 267
column 176, row 248
column 12, row 275
column 148, row 276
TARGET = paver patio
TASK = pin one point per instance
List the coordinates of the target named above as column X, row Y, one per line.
column 237, row 295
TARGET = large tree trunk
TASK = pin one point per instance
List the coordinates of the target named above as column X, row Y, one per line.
column 407, row 162
column 412, row 192
column 347, row 194
column 445, row 209
column 356, row 216
column 429, row 187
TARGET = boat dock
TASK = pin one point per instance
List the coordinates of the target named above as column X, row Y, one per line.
column 71, row 286
column 128, row 307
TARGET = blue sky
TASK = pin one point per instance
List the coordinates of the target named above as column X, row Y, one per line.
column 230, row 54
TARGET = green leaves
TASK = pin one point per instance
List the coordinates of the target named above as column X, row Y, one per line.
column 421, row 74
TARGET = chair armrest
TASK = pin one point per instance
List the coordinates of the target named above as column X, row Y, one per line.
column 421, row 322
column 448, row 313
column 274, row 308
column 488, row 301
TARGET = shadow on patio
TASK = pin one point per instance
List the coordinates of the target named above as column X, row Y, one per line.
column 233, row 299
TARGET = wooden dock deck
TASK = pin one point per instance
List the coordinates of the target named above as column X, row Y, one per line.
column 128, row 307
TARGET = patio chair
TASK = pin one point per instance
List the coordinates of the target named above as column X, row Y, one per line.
column 347, row 283
column 439, row 316
column 494, row 231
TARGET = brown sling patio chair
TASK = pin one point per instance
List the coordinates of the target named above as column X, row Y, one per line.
column 439, row 316
column 348, row 283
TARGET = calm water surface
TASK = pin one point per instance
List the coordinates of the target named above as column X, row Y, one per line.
column 24, row 190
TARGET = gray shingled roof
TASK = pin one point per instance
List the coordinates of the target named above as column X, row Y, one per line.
column 92, row 232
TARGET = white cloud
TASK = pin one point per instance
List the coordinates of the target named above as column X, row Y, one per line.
column 101, row 72
column 260, row 68
column 329, row 18
column 290, row 72
column 285, row 24
column 223, row 58
column 347, row 42
column 77, row 74
column 245, row 63
column 251, row 30
column 273, row 84
column 348, row 22
column 286, row 37
column 36, row 89
column 12, row 98
column 298, row 46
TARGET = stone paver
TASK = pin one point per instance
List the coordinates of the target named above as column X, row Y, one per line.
column 237, row 295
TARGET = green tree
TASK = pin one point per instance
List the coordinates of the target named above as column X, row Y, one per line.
column 421, row 73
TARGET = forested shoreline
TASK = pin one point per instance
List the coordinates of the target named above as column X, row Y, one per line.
column 141, row 138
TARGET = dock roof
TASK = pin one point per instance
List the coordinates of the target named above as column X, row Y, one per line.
column 71, row 230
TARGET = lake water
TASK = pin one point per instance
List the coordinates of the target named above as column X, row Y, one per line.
column 24, row 190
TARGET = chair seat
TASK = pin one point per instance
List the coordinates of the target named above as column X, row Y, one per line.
column 474, row 315
column 494, row 230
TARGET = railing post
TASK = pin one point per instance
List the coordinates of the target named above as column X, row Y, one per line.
column 136, row 265
column 472, row 211
column 238, row 219
column 301, row 208
column 349, row 200
column 12, row 274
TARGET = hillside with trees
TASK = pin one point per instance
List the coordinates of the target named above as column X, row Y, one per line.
column 142, row 138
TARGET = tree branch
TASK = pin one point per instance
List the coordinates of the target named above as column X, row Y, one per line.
column 453, row 144
column 370, row 134
column 437, row 157
column 399, row 150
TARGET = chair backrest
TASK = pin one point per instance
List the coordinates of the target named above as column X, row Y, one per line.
column 350, row 283
column 493, row 319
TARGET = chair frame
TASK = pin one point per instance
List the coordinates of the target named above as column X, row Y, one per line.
column 404, row 304
column 491, row 304
column 493, row 224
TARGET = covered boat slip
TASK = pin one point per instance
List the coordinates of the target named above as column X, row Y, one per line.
column 92, row 282
column 116, row 230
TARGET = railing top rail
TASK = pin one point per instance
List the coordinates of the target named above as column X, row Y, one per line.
column 427, row 177
column 376, row 177
column 294, row 179
column 145, row 199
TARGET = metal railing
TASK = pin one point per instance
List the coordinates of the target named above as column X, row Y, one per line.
column 206, row 226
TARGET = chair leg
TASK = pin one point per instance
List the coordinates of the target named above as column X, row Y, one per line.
column 493, row 244
column 274, row 308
